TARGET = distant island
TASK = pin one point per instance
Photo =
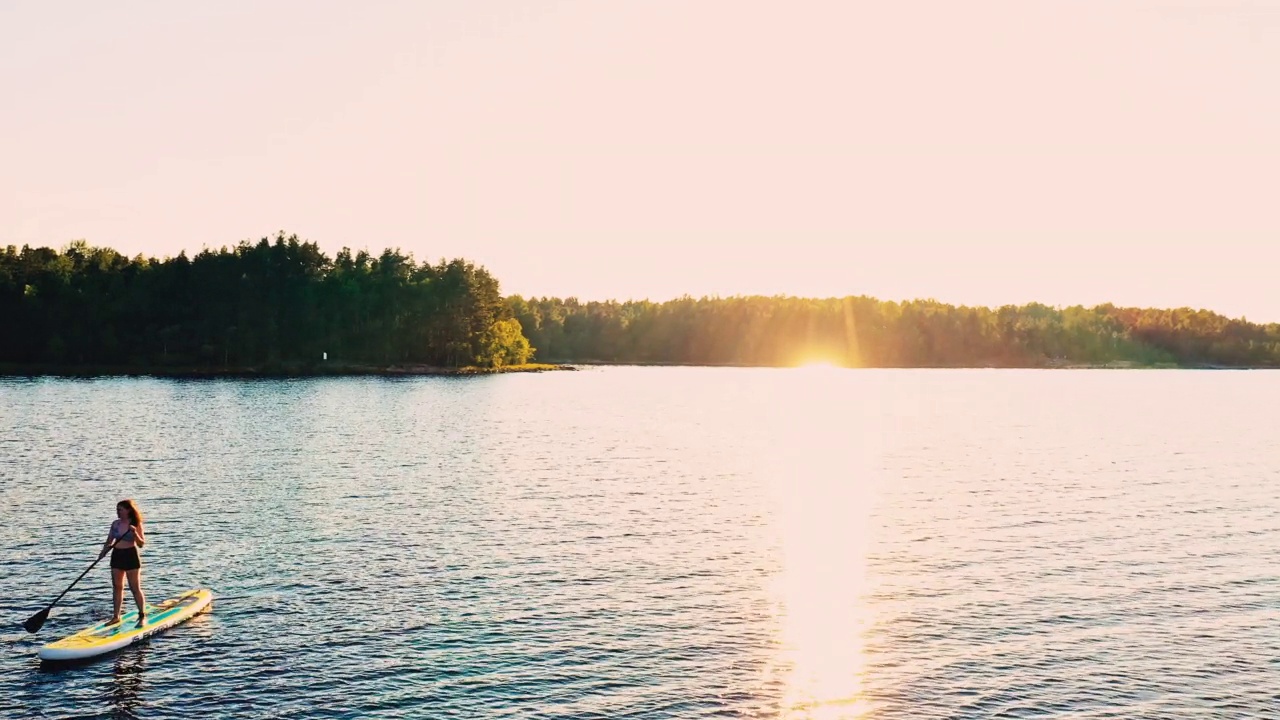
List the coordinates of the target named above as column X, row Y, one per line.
column 280, row 306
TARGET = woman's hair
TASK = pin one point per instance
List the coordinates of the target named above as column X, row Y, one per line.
column 134, row 514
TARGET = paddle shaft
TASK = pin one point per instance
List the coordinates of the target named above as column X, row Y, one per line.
column 86, row 572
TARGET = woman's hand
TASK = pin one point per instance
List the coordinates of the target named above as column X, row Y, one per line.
column 138, row 538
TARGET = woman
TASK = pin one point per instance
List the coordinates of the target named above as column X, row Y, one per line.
column 123, row 540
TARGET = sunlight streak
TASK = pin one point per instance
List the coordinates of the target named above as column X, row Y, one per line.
column 824, row 512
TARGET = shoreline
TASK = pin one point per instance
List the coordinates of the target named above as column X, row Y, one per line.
column 299, row 370
column 281, row 371
column 1113, row 365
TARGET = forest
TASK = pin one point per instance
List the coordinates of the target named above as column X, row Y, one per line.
column 866, row 332
column 282, row 303
column 267, row 304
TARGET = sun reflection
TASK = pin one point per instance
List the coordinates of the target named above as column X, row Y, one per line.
column 823, row 617
column 823, row 517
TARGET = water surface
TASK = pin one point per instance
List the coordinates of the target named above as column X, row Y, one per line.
column 658, row 543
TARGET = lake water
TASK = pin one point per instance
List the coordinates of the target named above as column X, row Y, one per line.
column 658, row 543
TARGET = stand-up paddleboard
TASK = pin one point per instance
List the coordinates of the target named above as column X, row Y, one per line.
column 103, row 638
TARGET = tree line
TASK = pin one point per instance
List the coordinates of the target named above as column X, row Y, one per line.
column 280, row 301
column 270, row 303
column 866, row 332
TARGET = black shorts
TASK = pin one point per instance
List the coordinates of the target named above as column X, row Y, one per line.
column 125, row 559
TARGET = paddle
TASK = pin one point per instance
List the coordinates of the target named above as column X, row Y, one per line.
column 35, row 622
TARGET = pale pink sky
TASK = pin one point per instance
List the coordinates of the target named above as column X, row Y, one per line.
column 978, row 152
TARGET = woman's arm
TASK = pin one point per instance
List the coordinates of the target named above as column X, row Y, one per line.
column 106, row 544
column 138, row 538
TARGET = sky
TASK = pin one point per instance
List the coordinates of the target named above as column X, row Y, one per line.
column 981, row 152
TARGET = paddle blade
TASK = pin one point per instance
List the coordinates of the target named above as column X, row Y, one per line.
column 35, row 622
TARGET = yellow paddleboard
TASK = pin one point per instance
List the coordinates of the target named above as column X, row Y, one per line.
column 103, row 638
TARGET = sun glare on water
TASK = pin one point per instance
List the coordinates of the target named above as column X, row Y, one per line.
column 822, row 512
column 823, row 619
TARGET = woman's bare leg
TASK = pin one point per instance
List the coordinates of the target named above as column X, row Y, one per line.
column 117, row 594
column 135, row 586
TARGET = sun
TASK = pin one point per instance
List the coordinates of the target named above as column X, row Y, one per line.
column 817, row 364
